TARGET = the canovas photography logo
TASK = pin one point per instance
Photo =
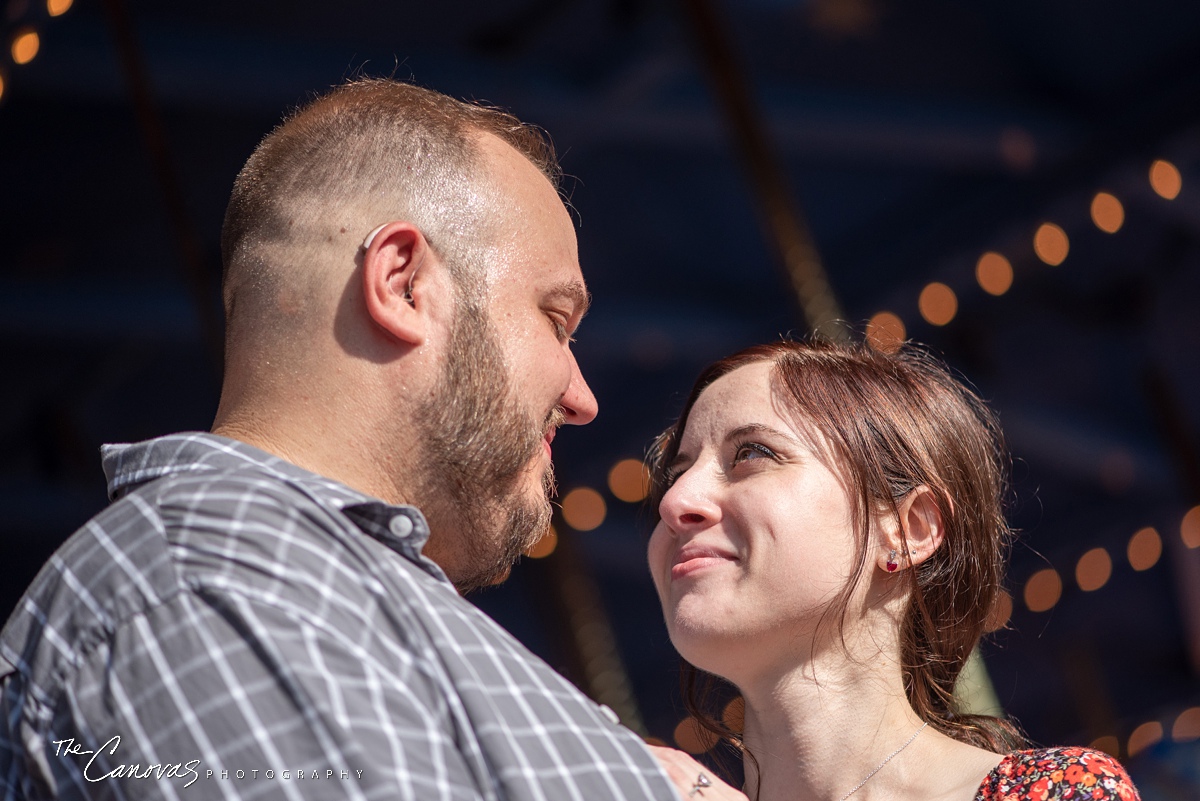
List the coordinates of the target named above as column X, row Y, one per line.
column 99, row 766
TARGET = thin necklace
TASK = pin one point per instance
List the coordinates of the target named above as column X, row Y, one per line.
column 886, row 760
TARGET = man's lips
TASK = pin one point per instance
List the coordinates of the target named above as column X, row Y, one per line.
column 693, row 557
column 548, row 439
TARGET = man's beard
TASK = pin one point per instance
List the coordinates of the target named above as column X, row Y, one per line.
column 477, row 446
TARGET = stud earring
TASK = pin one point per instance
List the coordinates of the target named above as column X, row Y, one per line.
column 892, row 564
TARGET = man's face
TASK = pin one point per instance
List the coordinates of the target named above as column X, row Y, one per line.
column 509, row 381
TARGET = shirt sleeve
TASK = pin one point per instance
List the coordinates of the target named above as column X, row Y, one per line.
column 1095, row 775
column 1062, row 774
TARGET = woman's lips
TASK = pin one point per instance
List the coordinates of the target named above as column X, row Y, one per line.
column 692, row 558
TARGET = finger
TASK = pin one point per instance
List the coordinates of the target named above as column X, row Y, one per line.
column 694, row 781
column 677, row 771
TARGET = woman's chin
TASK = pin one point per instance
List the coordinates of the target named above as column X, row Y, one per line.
column 709, row 649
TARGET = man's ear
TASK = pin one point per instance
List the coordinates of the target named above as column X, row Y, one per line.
column 392, row 256
column 923, row 530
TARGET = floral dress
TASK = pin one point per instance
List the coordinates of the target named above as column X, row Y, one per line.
column 1051, row 774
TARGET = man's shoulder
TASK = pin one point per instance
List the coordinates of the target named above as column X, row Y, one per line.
column 234, row 528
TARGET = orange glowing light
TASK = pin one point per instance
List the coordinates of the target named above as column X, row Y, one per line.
column 1, row 84
column 938, row 303
column 1000, row 613
column 994, row 273
column 1107, row 212
column 1144, row 736
column 56, row 8
column 885, row 332
column 734, row 716
column 1187, row 725
column 1108, row 744
column 1042, row 590
column 1093, row 570
column 1189, row 529
column 1145, row 549
column 1018, row 148
column 1165, row 179
column 25, row 46
column 690, row 736
column 545, row 546
column 583, row 509
column 629, row 481
column 1051, row 245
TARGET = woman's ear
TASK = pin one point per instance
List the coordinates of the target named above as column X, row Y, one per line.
column 922, row 527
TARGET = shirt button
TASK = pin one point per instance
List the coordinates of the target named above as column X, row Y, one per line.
column 401, row 526
column 608, row 712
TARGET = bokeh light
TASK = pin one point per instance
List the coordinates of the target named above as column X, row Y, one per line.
column 1187, row 725
column 1144, row 736
column 56, row 8
column 1107, row 212
column 25, row 46
column 690, row 736
column 1093, row 570
column 1165, row 179
column 1051, row 245
column 1042, row 590
column 885, row 332
column 583, row 509
column 545, row 546
column 938, row 303
column 1145, row 549
column 1117, row 470
column 1189, row 529
column 1018, row 148
column 1, row 84
column 1109, row 744
column 628, row 480
column 734, row 715
column 994, row 273
column 1000, row 613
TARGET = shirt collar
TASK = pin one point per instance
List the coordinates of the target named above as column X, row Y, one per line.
column 128, row 466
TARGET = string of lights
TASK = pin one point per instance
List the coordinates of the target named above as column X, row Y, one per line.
column 937, row 302
column 24, row 41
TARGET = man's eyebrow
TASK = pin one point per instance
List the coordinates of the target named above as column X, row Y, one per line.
column 575, row 292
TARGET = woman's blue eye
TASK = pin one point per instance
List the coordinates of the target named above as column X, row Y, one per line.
column 752, row 450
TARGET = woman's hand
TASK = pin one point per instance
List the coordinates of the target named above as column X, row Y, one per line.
column 694, row 781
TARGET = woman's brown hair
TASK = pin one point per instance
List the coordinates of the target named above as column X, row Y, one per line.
column 897, row 421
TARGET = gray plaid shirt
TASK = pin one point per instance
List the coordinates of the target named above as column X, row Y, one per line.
column 233, row 626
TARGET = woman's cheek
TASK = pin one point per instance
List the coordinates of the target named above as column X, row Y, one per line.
column 656, row 555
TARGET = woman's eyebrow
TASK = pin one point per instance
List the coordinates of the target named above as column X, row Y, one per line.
column 758, row 428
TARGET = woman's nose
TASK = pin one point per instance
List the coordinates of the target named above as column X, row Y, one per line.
column 689, row 503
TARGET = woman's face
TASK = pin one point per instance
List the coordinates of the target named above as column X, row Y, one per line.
column 757, row 534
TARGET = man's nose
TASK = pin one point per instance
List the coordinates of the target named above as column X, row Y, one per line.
column 578, row 403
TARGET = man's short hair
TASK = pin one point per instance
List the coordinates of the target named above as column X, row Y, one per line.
column 367, row 152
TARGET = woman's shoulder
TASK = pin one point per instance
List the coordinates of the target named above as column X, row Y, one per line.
column 1050, row 774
